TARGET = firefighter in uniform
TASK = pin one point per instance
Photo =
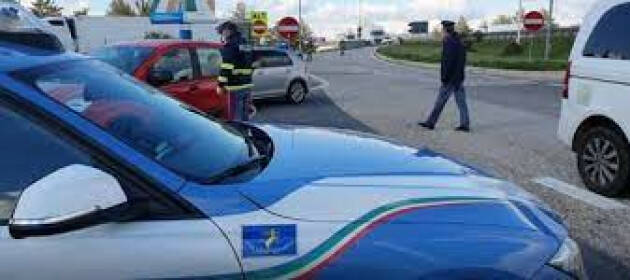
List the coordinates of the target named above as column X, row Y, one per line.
column 236, row 71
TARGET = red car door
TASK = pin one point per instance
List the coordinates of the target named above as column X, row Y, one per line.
column 208, row 62
column 184, row 86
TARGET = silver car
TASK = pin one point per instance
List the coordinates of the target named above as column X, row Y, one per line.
column 279, row 73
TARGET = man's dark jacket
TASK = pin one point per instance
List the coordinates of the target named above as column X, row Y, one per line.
column 453, row 61
column 231, row 51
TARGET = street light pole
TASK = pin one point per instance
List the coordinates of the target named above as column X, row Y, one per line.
column 549, row 31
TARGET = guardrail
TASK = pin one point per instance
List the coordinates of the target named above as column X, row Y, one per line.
column 511, row 35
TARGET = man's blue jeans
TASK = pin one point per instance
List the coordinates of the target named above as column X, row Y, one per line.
column 240, row 102
column 460, row 98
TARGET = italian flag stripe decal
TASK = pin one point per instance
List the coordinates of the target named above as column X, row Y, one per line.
column 306, row 266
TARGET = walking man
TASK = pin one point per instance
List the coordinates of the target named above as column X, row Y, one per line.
column 453, row 68
column 236, row 71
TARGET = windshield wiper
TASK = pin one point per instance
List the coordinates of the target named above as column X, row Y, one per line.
column 238, row 169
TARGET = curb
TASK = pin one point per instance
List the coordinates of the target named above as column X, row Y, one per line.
column 554, row 76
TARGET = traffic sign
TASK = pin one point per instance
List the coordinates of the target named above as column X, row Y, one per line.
column 289, row 28
column 259, row 23
column 259, row 28
column 534, row 21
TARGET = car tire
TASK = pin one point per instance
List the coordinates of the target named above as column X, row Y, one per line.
column 296, row 94
column 603, row 158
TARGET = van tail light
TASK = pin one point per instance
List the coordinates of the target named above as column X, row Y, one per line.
column 567, row 78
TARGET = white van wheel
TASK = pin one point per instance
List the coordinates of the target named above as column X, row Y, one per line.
column 604, row 161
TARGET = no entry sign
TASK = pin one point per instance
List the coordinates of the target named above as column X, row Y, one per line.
column 289, row 27
column 534, row 21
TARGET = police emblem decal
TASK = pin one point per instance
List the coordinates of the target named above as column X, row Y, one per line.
column 269, row 240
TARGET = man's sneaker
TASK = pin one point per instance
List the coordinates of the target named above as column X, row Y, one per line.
column 426, row 125
column 463, row 129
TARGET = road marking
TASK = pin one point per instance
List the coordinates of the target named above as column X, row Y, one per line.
column 323, row 83
column 580, row 194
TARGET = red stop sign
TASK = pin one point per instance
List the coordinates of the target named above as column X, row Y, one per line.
column 288, row 27
column 259, row 27
column 534, row 21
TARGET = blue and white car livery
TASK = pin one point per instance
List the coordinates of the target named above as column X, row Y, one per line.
column 104, row 177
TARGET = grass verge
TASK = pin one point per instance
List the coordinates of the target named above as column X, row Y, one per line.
column 489, row 54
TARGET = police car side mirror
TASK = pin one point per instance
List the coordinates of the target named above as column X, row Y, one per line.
column 71, row 198
column 159, row 78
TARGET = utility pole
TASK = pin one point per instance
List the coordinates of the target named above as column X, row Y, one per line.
column 519, row 21
column 300, row 26
column 360, row 28
column 549, row 31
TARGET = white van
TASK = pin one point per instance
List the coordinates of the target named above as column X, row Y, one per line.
column 87, row 33
column 595, row 118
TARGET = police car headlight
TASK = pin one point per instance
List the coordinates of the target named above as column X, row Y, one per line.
column 569, row 259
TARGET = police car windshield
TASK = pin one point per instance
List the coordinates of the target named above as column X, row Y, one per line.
column 169, row 132
column 126, row 58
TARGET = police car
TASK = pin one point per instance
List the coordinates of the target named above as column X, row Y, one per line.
column 104, row 177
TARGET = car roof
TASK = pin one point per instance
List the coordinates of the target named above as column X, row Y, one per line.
column 168, row 43
column 15, row 57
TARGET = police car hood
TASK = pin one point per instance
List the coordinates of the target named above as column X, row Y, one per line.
column 332, row 175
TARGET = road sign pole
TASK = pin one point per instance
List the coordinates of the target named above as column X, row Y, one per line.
column 549, row 31
column 531, row 45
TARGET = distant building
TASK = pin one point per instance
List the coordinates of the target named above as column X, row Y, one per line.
column 419, row 27
column 377, row 34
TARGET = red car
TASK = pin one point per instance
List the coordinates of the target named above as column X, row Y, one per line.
column 187, row 70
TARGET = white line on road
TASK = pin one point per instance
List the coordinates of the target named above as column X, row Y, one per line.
column 580, row 194
column 323, row 83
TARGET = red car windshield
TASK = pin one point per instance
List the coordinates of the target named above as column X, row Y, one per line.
column 161, row 128
column 126, row 58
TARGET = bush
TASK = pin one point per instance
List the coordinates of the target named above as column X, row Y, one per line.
column 156, row 35
column 478, row 35
column 512, row 49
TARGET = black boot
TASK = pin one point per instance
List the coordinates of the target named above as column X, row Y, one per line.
column 426, row 125
column 463, row 129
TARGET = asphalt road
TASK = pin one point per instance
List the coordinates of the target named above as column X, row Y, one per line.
column 514, row 122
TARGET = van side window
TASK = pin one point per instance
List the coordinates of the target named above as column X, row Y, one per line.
column 611, row 37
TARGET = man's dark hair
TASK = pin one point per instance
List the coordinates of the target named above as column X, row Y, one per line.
column 449, row 26
column 228, row 25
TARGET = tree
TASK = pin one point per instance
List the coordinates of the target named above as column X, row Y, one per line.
column 120, row 8
column 143, row 8
column 46, row 8
column 436, row 33
column 504, row 19
column 81, row 12
column 462, row 26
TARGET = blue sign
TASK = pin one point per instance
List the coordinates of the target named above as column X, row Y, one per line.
column 167, row 18
column 269, row 240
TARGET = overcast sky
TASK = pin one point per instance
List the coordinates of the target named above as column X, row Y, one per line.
column 330, row 17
